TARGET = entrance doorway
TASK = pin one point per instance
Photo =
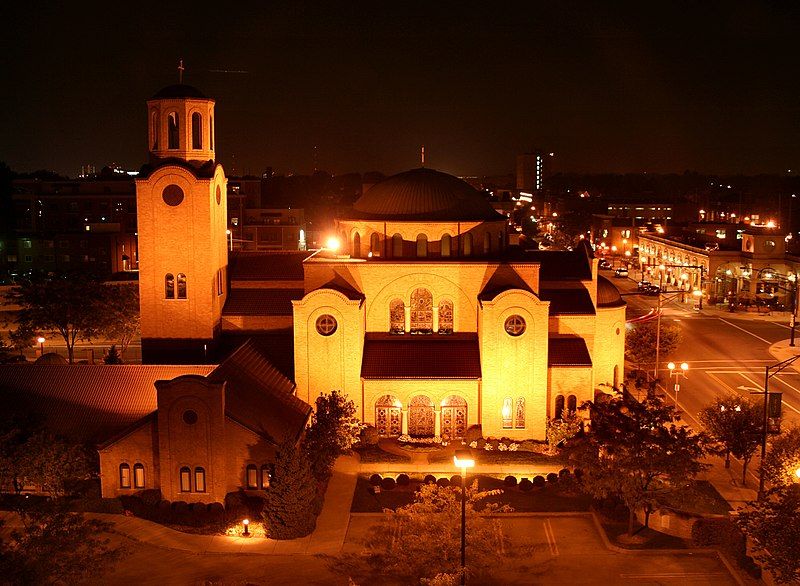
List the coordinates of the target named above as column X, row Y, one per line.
column 454, row 416
column 388, row 416
column 421, row 417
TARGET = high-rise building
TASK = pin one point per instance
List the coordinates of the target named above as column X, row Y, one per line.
column 532, row 170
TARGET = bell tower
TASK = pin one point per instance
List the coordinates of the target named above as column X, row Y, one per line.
column 181, row 199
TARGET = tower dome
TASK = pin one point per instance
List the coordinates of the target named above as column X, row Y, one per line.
column 607, row 294
column 181, row 125
column 424, row 194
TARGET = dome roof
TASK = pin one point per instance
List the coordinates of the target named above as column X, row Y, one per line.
column 607, row 294
column 51, row 358
column 424, row 194
column 179, row 90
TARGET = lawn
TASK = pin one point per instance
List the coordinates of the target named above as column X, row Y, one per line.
column 550, row 498
column 374, row 454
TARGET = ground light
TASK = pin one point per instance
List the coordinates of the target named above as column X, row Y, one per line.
column 246, row 525
column 463, row 459
column 40, row 339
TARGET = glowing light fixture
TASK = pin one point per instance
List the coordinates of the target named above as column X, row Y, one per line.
column 332, row 244
column 246, row 525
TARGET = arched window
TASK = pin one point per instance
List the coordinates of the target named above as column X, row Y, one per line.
column 519, row 413
column 154, row 126
column 138, row 476
column 468, row 245
column 445, row 317
column 186, row 479
column 173, row 139
column 487, row 243
column 252, row 476
column 422, row 245
column 375, row 244
column 197, row 131
column 559, row 411
column 421, row 311
column 397, row 246
column 211, row 131
column 181, row 286
column 199, row 480
column 169, row 286
column 356, row 245
column 507, row 413
column 124, row 476
column 397, row 317
column 265, row 476
column 446, row 244
column 572, row 404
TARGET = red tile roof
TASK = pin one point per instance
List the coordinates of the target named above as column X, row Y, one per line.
column 259, row 397
column 568, row 301
column 567, row 351
column 261, row 301
column 86, row 402
column 267, row 266
column 433, row 356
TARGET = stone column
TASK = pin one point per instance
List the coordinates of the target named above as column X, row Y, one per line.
column 408, row 318
column 437, row 421
column 404, row 421
column 435, row 318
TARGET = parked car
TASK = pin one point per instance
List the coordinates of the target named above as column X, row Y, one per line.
column 605, row 265
column 643, row 284
column 621, row 272
column 653, row 290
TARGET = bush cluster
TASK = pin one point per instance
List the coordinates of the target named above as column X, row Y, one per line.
column 148, row 506
column 725, row 534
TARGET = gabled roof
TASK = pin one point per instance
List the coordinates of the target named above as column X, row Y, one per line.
column 562, row 265
column 340, row 284
column 259, row 397
column 567, row 351
column 568, row 301
column 86, row 402
column 433, row 356
column 503, row 279
column 267, row 266
column 261, row 301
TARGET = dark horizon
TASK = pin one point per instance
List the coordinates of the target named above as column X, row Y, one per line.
column 628, row 88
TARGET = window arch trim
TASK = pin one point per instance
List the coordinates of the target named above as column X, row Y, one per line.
column 139, row 479
column 124, row 476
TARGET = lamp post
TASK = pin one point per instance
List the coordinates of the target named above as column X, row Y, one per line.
column 246, row 525
column 677, row 373
column 40, row 339
column 463, row 459
column 230, row 240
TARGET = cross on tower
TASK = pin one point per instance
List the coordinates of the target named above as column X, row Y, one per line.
column 180, row 71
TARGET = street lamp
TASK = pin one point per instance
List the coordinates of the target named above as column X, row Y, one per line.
column 40, row 339
column 230, row 239
column 463, row 459
column 677, row 372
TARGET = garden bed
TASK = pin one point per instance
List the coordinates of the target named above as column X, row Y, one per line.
column 502, row 458
column 553, row 497
column 374, row 454
column 644, row 538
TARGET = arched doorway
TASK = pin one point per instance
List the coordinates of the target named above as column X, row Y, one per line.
column 454, row 416
column 421, row 417
column 388, row 416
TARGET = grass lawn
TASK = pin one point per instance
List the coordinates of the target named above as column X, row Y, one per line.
column 374, row 454
column 550, row 498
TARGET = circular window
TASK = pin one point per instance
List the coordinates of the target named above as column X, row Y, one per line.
column 172, row 195
column 769, row 245
column 326, row 325
column 219, row 195
column 515, row 325
column 189, row 417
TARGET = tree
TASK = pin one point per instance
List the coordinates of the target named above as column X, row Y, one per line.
column 421, row 541
column 636, row 452
column 640, row 342
column 12, row 442
column 783, row 458
column 333, row 431
column 561, row 430
column 72, row 305
column 52, row 463
column 736, row 423
column 113, row 356
column 120, row 317
column 773, row 525
column 22, row 338
column 292, row 491
column 56, row 546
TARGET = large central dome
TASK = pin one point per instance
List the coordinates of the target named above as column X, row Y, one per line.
column 424, row 194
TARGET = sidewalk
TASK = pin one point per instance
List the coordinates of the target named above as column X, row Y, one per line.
column 782, row 351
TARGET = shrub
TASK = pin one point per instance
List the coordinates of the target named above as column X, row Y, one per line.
column 552, row 477
column 510, row 481
column 369, row 435
column 525, row 485
column 403, row 480
column 443, row 482
column 578, row 473
column 150, row 497
column 388, row 483
column 164, row 505
column 216, row 513
column 375, row 479
column 538, row 481
column 564, row 473
column 455, row 480
column 429, row 479
column 720, row 532
column 236, row 507
column 473, row 434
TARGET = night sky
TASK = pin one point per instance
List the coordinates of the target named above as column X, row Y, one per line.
column 642, row 86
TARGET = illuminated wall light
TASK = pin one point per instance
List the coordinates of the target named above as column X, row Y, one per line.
column 332, row 244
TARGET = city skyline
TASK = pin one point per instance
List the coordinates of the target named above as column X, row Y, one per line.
column 623, row 89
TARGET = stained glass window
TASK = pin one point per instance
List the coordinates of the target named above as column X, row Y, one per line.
column 446, row 317
column 421, row 311
column 519, row 413
column 397, row 317
column 507, row 413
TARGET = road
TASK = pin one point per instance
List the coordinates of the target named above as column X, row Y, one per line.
column 726, row 352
